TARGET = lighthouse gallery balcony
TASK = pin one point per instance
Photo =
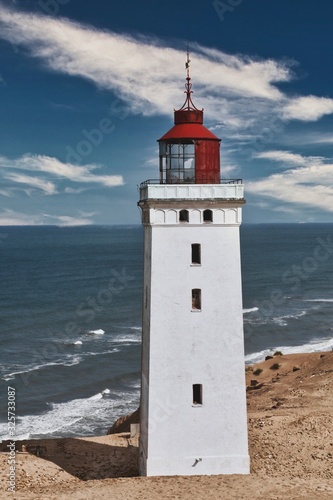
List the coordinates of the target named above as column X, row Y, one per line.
column 228, row 189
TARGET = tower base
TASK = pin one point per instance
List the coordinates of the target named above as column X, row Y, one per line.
column 194, row 466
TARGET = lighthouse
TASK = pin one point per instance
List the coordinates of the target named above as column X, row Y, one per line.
column 193, row 399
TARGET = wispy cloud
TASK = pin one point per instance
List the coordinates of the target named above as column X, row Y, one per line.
column 240, row 93
column 308, row 108
column 309, row 185
column 46, row 186
column 288, row 158
column 48, row 171
column 238, row 87
column 13, row 218
column 130, row 67
column 307, row 137
column 82, row 219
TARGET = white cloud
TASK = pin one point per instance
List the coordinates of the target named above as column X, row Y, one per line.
column 147, row 74
column 67, row 220
column 226, row 169
column 45, row 166
column 69, row 190
column 309, row 185
column 307, row 136
column 5, row 192
column 46, row 186
column 13, row 218
column 286, row 209
column 127, row 65
column 308, row 108
column 289, row 158
column 239, row 93
column 82, row 219
column 320, row 139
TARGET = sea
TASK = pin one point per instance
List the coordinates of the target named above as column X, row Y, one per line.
column 70, row 321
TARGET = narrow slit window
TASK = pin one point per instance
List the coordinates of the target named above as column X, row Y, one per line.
column 208, row 216
column 196, row 299
column 183, row 216
column 197, row 394
column 196, row 253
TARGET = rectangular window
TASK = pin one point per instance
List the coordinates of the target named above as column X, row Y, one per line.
column 197, row 394
column 196, row 299
column 196, row 253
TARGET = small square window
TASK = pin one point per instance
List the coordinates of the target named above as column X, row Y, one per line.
column 196, row 253
column 197, row 394
column 196, row 299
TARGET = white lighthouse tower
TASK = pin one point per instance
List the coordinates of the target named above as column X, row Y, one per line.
column 193, row 399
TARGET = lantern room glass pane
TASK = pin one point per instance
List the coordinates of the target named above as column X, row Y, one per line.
column 162, row 148
column 177, row 162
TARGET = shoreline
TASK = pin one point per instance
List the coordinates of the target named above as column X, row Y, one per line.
column 290, row 425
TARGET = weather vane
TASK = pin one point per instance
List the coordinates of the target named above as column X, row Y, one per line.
column 187, row 64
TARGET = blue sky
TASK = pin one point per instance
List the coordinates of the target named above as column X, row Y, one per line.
column 86, row 89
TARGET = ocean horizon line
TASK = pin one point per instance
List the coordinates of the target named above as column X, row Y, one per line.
column 138, row 224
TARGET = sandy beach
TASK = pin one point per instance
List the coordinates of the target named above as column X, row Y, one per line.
column 290, row 399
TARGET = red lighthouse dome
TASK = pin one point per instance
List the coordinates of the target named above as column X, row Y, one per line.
column 189, row 152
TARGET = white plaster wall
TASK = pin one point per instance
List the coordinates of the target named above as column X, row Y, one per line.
column 187, row 348
column 171, row 216
column 220, row 216
column 158, row 216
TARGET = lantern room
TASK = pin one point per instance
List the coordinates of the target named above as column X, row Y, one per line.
column 189, row 152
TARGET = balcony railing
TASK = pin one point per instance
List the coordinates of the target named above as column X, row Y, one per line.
column 222, row 181
column 227, row 189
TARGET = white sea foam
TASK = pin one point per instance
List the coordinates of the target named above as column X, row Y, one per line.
column 317, row 345
column 319, row 300
column 135, row 328
column 96, row 396
column 79, row 417
column 68, row 361
column 101, row 353
column 252, row 309
column 127, row 339
column 73, row 342
column 299, row 314
column 136, row 385
column 280, row 321
column 97, row 332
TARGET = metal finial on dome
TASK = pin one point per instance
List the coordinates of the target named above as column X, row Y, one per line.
column 188, row 104
column 187, row 64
